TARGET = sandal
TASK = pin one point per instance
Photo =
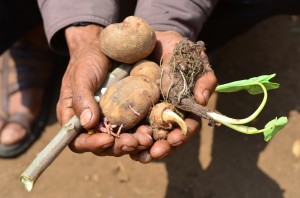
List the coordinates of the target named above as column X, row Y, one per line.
column 23, row 67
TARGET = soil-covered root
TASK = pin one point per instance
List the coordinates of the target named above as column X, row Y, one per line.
column 188, row 62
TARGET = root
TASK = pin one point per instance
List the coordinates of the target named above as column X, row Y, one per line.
column 105, row 127
column 189, row 105
column 187, row 64
column 184, row 89
column 134, row 111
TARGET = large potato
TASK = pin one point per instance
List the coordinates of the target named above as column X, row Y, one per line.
column 129, row 100
column 129, row 41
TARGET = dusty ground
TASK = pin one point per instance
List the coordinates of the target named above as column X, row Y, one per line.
column 215, row 164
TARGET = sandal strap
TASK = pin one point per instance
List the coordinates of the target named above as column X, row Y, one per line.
column 22, row 119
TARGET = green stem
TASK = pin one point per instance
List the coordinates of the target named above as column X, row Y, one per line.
column 246, row 129
column 224, row 119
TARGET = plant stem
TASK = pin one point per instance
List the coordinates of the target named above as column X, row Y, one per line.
column 224, row 119
column 246, row 129
column 68, row 131
column 236, row 124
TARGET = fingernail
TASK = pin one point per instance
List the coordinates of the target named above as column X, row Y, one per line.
column 177, row 143
column 141, row 147
column 106, row 145
column 145, row 157
column 127, row 148
column 163, row 156
column 150, row 132
column 85, row 116
column 149, row 136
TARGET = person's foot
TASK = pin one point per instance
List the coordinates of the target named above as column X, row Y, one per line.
column 27, row 102
column 25, row 71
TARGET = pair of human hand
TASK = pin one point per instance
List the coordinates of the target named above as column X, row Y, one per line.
column 87, row 70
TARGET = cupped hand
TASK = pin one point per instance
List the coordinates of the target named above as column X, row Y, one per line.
column 102, row 144
column 85, row 73
column 204, row 87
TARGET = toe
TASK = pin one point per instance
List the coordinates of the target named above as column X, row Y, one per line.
column 12, row 133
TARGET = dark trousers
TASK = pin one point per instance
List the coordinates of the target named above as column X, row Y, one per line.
column 229, row 19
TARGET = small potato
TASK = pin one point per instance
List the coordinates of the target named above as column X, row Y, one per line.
column 129, row 41
column 160, row 134
column 129, row 100
column 147, row 68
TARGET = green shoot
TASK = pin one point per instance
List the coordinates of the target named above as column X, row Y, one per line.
column 256, row 85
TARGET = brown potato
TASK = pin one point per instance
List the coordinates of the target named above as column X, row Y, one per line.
column 147, row 68
column 129, row 41
column 129, row 100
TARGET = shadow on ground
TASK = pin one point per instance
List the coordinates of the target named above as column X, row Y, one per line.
column 234, row 171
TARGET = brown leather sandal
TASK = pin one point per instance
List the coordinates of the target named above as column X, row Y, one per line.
column 24, row 66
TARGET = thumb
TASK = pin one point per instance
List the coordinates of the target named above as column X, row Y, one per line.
column 205, row 87
column 85, row 107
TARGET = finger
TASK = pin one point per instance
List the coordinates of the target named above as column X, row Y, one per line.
column 124, row 144
column 85, row 83
column 91, row 143
column 84, row 104
column 143, row 157
column 164, row 148
column 160, row 149
column 144, row 137
column 204, row 87
column 64, row 109
column 130, row 143
column 166, row 41
column 176, row 138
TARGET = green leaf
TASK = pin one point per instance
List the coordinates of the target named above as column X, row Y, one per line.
column 250, row 85
column 273, row 127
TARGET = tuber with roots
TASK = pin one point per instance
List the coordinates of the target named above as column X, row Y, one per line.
column 128, row 101
column 187, row 63
column 161, row 119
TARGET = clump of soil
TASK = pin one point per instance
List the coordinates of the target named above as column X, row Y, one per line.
column 188, row 62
